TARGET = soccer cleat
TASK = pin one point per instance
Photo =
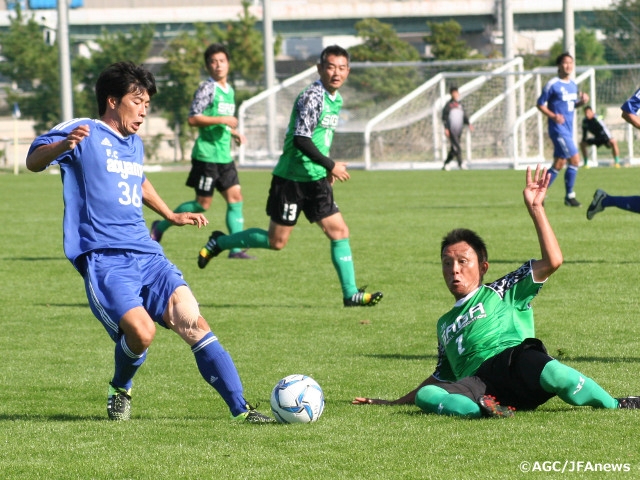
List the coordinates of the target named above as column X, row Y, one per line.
column 253, row 416
column 242, row 255
column 363, row 299
column 572, row 202
column 155, row 233
column 210, row 250
column 596, row 204
column 118, row 403
column 629, row 402
column 490, row 407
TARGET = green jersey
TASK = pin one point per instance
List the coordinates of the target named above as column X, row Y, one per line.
column 495, row 317
column 213, row 144
column 315, row 115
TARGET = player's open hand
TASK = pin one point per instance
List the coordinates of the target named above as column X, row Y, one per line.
column 76, row 136
column 536, row 187
column 339, row 172
column 189, row 218
column 370, row 401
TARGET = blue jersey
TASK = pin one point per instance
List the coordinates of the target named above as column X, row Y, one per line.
column 633, row 104
column 102, row 188
column 561, row 97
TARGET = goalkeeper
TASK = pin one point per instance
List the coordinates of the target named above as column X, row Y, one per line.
column 489, row 361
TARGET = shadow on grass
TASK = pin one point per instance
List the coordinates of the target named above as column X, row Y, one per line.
column 74, row 305
column 7, row 417
column 400, row 356
column 35, row 259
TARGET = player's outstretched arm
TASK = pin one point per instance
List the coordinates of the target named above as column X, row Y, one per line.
column 408, row 399
column 152, row 200
column 534, row 194
column 631, row 118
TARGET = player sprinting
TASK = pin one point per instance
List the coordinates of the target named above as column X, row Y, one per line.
column 600, row 135
column 303, row 181
column 489, row 361
column 212, row 167
column 130, row 284
column 558, row 101
column 602, row 199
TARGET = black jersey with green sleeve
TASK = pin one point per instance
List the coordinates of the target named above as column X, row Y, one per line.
column 315, row 115
column 496, row 316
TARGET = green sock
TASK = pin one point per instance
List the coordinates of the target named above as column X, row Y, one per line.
column 616, row 160
column 191, row 206
column 235, row 220
column 343, row 263
column 573, row 387
column 433, row 399
column 249, row 238
column 586, row 161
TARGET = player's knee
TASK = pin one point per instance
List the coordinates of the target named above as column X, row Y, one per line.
column 183, row 315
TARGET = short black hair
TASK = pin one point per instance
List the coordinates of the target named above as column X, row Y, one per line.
column 453, row 88
column 588, row 107
column 562, row 56
column 469, row 236
column 213, row 49
column 121, row 78
column 336, row 50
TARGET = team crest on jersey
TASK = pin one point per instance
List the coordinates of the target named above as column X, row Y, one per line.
column 450, row 331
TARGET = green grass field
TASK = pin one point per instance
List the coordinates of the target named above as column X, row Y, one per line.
column 283, row 314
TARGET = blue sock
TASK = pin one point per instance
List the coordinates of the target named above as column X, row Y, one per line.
column 553, row 173
column 127, row 364
column 217, row 368
column 570, row 178
column 631, row 204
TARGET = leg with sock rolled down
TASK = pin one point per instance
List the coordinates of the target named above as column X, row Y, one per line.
column 138, row 331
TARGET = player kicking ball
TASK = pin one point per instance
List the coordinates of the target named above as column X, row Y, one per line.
column 489, row 362
column 130, row 284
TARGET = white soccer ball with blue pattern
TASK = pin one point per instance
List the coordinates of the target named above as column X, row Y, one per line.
column 297, row 399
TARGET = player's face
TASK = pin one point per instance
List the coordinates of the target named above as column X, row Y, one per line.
column 218, row 67
column 333, row 72
column 128, row 114
column 455, row 95
column 461, row 269
column 589, row 114
column 566, row 67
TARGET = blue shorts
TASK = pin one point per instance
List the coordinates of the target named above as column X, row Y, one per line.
column 118, row 280
column 563, row 146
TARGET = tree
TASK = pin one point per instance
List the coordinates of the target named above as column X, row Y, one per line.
column 381, row 44
column 180, row 78
column 589, row 51
column 111, row 47
column 184, row 68
column 621, row 27
column 32, row 64
column 445, row 41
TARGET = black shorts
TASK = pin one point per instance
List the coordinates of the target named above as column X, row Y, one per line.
column 288, row 198
column 598, row 141
column 204, row 177
column 512, row 376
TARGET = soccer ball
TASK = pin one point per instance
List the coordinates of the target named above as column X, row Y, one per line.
column 297, row 399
